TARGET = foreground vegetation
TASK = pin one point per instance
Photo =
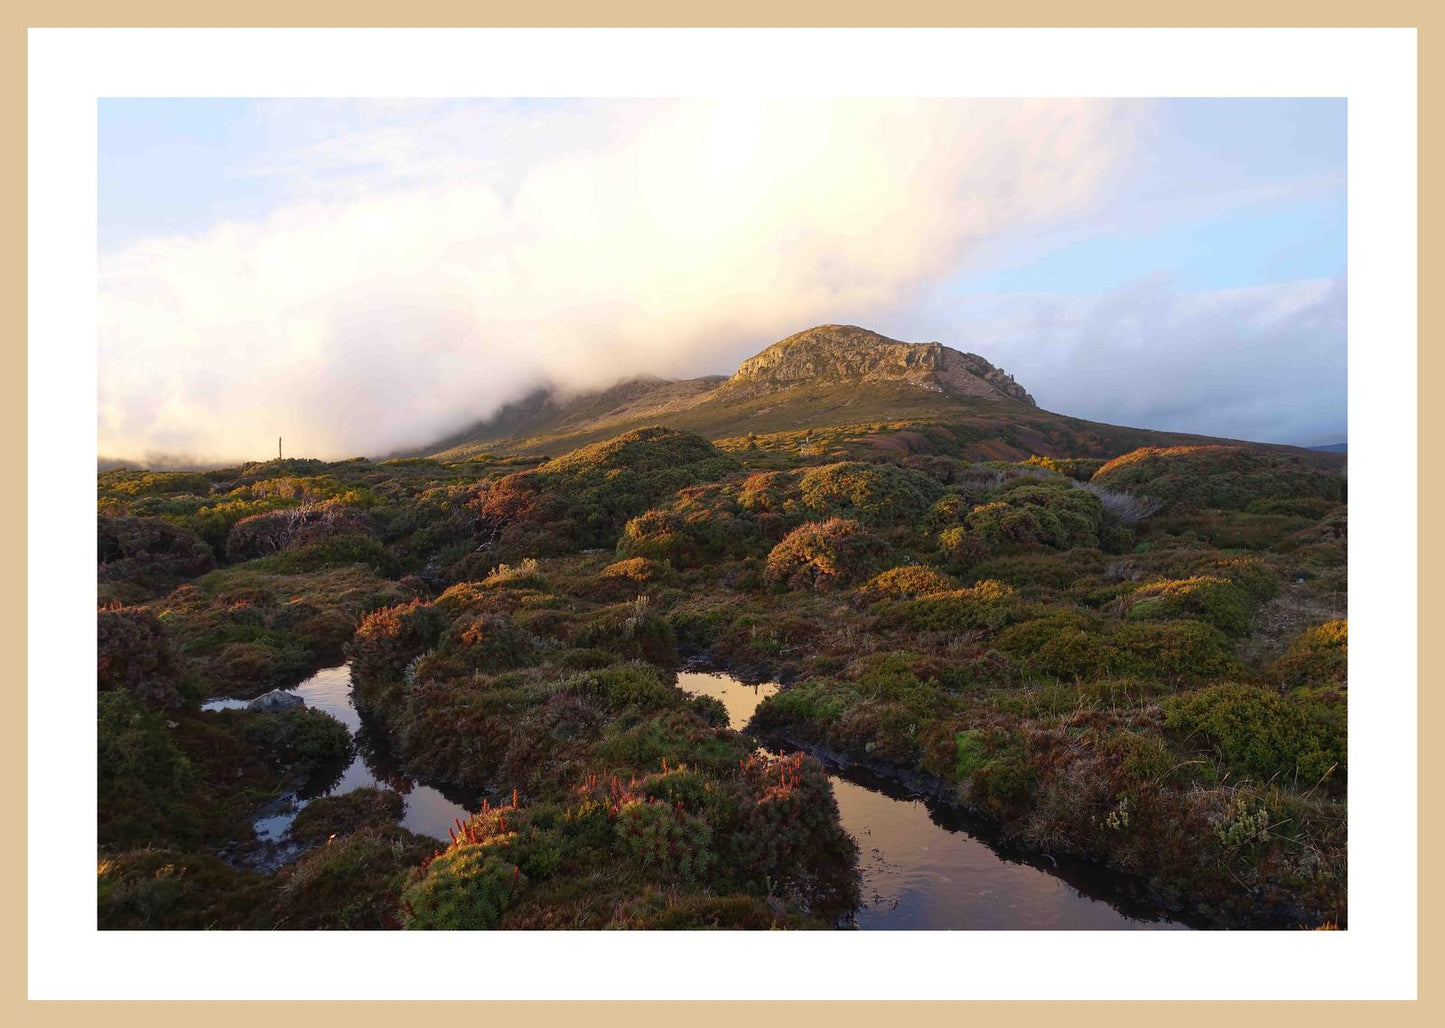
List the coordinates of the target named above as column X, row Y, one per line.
column 1138, row 661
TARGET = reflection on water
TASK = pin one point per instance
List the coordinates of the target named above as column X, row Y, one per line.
column 922, row 866
column 428, row 810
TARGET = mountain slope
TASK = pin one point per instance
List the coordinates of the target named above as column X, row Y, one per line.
column 831, row 376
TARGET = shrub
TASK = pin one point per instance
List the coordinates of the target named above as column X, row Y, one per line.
column 389, row 639
column 484, row 642
column 824, row 555
column 349, row 812
column 1028, row 512
column 950, row 510
column 337, row 551
column 1128, row 507
column 1319, row 656
column 469, row 886
column 151, row 554
column 1295, row 739
column 986, row 606
column 525, row 575
column 605, row 484
column 874, row 494
column 638, row 571
column 1210, row 598
column 788, row 833
column 664, row 837
column 961, row 548
column 1180, row 649
column 1077, row 468
column 143, row 779
column 166, row 889
column 1228, row 477
column 303, row 738
column 351, row 883
column 278, row 530
column 905, row 583
column 134, row 653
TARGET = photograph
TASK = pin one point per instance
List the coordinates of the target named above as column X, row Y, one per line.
column 742, row 512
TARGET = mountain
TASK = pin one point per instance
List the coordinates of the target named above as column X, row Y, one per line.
column 831, row 376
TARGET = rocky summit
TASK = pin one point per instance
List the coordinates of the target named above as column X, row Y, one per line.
column 849, row 355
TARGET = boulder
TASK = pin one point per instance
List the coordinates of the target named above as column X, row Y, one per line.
column 276, row 699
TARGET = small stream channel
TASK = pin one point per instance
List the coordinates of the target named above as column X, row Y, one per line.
column 924, row 866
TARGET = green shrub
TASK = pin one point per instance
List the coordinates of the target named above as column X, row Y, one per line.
column 666, row 838
column 469, row 886
column 961, row 548
column 302, row 737
column 1229, row 477
column 1298, row 740
column 148, row 553
column 165, row 889
column 1028, row 512
column 986, row 606
column 144, row 781
column 274, row 531
column 1175, row 649
column 1209, row 598
column 874, row 494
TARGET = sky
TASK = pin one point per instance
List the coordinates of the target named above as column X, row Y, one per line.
column 363, row 276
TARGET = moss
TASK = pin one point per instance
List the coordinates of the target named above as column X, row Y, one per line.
column 971, row 753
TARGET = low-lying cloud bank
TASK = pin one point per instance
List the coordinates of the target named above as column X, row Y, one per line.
column 362, row 321
column 1265, row 363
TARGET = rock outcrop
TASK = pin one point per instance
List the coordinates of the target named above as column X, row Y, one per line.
column 848, row 355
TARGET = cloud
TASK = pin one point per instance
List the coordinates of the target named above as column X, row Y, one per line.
column 415, row 284
column 1265, row 363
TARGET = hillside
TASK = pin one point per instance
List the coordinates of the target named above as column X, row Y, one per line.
column 840, row 377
